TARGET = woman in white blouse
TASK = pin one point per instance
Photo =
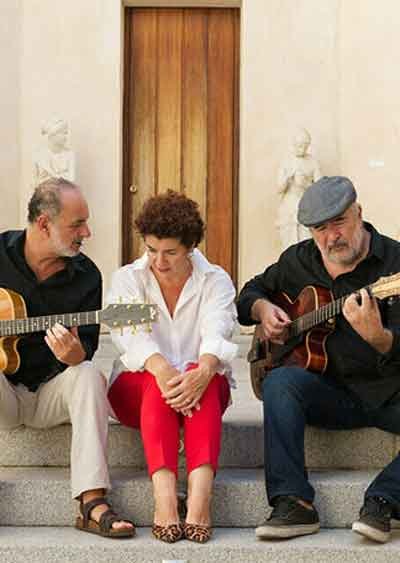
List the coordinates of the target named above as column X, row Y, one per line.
column 178, row 375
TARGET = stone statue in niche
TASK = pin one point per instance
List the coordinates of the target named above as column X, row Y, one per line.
column 296, row 173
column 55, row 160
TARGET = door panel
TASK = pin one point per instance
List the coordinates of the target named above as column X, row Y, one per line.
column 220, row 138
column 169, row 105
column 181, row 119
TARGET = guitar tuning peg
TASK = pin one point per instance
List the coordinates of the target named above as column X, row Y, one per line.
column 149, row 328
column 133, row 329
column 121, row 330
column 120, row 299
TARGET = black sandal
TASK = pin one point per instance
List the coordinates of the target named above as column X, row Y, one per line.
column 104, row 527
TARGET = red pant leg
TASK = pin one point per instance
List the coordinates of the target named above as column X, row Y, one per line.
column 203, row 430
column 136, row 400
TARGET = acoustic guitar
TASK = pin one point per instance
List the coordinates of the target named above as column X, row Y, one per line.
column 14, row 322
column 313, row 319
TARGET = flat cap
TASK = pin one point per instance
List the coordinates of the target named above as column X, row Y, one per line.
column 327, row 198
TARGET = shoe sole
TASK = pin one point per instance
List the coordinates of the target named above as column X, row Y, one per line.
column 370, row 532
column 276, row 532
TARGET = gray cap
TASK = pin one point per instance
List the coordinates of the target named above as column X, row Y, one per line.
column 327, row 198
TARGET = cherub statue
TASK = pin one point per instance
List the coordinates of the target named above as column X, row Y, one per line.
column 56, row 160
column 295, row 175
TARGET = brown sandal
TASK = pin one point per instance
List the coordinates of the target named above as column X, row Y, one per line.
column 107, row 519
column 197, row 532
column 169, row 534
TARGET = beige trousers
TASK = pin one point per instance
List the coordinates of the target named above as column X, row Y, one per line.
column 77, row 395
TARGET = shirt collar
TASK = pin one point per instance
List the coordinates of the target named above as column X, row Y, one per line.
column 376, row 247
column 16, row 243
column 200, row 263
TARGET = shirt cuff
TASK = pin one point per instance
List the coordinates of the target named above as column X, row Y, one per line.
column 141, row 349
column 224, row 350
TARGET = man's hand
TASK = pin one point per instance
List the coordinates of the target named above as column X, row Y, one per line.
column 65, row 344
column 274, row 320
column 365, row 318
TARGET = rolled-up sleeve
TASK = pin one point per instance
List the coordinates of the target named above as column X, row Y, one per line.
column 135, row 346
column 218, row 317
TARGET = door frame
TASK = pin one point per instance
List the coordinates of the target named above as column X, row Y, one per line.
column 182, row 4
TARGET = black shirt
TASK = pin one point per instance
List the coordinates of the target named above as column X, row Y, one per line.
column 374, row 377
column 76, row 288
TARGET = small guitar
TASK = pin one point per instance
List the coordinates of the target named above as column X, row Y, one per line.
column 313, row 317
column 14, row 322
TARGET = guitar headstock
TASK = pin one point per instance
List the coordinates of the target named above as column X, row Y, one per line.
column 118, row 315
column 386, row 286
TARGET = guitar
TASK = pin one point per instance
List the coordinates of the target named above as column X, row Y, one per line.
column 313, row 318
column 14, row 322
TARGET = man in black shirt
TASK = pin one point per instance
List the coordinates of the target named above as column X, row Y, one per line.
column 360, row 386
column 56, row 382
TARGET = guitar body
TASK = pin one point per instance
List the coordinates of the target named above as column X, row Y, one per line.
column 12, row 306
column 310, row 354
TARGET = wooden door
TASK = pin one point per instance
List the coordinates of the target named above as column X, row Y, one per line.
column 181, row 119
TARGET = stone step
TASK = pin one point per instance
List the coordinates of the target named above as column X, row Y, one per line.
column 41, row 497
column 61, row 545
column 242, row 446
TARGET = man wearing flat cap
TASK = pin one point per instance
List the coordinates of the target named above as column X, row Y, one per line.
column 357, row 383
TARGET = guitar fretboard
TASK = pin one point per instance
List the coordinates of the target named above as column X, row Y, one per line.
column 26, row 325
column 318, row 316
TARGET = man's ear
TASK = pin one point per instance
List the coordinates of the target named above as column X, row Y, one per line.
column 43, row 223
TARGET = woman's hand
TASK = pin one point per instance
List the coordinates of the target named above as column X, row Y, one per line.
column 186, row 389
column 162, row 371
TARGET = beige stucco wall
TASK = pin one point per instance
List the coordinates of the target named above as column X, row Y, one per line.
column 10, row 32
column 289, row 78
column 329, row 66
column 71, row 68
column 369, row 127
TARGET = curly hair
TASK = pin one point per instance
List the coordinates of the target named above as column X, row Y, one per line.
column 171, row 215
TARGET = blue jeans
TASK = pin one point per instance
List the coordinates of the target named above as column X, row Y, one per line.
column 294, row 397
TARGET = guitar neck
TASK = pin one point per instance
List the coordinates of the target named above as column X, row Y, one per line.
column 27, row 325
column 317, row 317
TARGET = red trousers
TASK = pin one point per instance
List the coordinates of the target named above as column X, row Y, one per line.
column 137, row 402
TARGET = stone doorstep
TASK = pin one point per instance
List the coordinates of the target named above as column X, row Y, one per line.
column 61, row 545
column 242, row 446
column 41, row 497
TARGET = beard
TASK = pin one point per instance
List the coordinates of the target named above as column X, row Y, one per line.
column 62, row 249
column 346, row 253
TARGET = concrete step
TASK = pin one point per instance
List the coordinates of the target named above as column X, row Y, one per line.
column 41, row 497
column 242, row 446
column 61, row 545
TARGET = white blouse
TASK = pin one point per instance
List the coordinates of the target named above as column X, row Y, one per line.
column 202, row 323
